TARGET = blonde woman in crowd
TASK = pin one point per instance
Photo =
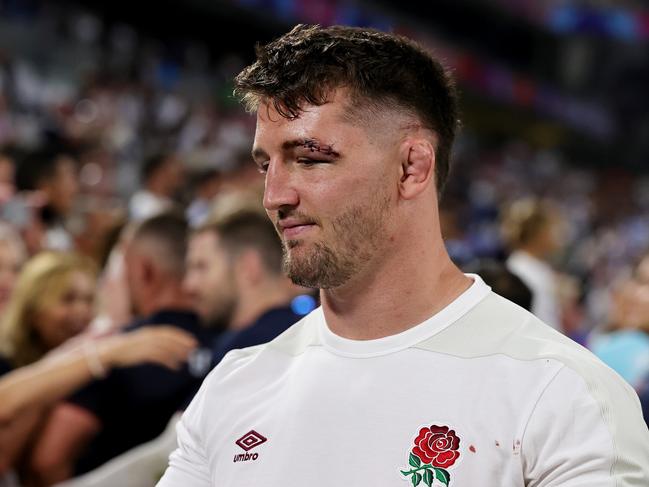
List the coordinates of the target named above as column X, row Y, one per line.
column 53, row 301
column 531, row 229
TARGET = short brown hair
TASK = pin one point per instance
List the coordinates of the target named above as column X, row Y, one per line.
column 246, row 228
column 169, row 231
column 380, row 70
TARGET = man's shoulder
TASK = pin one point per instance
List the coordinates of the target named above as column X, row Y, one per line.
column 292, row 342
column 498, row 327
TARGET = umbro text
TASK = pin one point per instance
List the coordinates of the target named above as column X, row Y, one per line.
column 244, row 457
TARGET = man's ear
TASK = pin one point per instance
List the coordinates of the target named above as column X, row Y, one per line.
column 417, row 170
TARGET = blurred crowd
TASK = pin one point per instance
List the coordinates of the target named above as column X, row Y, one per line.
column 134, row 253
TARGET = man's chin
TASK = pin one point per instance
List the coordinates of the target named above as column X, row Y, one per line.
column 293, row 243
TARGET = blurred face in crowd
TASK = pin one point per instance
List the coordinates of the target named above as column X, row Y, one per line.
column 209, row 278
column 62, row 189
column 551, row 235
column 643, row 270
column 631, row 305
column 11, row 259
column 329, row 190
column 6, row 171
column 67, row 312
column 172, row 176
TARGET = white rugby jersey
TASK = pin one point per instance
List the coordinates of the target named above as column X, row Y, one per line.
column 482, row 394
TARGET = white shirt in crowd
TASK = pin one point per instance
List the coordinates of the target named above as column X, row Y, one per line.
column 542, row 281
column 481, row 394
column 145, row 204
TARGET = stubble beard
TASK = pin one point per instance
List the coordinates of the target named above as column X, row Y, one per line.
column 357, row 234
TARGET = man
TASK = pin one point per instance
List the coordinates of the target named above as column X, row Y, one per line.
column 52, row 172
column 131, row 405
column 234, row 274
column 410, row 370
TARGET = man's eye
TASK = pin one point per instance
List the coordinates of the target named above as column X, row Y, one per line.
column 263, row 167
column 310, row 162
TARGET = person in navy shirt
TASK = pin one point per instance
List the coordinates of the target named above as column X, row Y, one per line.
column 131, row 405
column 234, row 275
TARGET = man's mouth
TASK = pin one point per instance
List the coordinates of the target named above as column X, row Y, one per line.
column 292, row 228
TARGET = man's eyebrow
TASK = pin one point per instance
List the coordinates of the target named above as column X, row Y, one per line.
column 314, row 145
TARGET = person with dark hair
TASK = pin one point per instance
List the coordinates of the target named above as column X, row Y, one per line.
column 234, row 274
column 7, row 178
column 53, row 173
column 161, row 176
column 502, row 281
column 410, row 369
column 133, row 405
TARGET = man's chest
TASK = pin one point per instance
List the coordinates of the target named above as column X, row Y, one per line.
column 348, row 424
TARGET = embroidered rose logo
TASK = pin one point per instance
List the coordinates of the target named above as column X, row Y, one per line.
column 436, row 449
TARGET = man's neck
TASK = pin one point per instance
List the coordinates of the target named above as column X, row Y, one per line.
column 171, row 297
column 403, row 292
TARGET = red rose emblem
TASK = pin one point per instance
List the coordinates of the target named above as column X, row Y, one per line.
column 438, row 446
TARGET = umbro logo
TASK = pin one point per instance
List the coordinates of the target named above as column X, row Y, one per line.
column 249, row 441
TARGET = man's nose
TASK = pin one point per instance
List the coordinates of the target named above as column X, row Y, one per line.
column 280, row 189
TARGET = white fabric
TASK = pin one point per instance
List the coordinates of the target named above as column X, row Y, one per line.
column 141, row 466
column 145, row 204
column 542, row 281
column 530, row 407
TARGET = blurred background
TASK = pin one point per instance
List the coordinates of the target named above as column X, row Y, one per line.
column 110, row 113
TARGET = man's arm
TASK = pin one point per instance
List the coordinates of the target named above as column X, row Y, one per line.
column 188, row 465
column 15, row 435
column 586, row 433
column 67, row 432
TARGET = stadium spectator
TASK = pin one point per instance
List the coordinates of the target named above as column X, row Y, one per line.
column 531, row 228
column 131, row 405
column 50, row 303
column 234, row 274
column 206, row 185
column 162, row 177
column 53, row 173
column 12, row 256
column 625, row 347
column 7, row 178
column 502, row 281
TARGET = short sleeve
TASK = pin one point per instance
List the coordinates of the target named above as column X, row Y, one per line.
column 586, row 434
column 188, row 464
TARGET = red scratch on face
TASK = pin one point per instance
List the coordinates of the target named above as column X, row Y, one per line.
column 472, row 449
